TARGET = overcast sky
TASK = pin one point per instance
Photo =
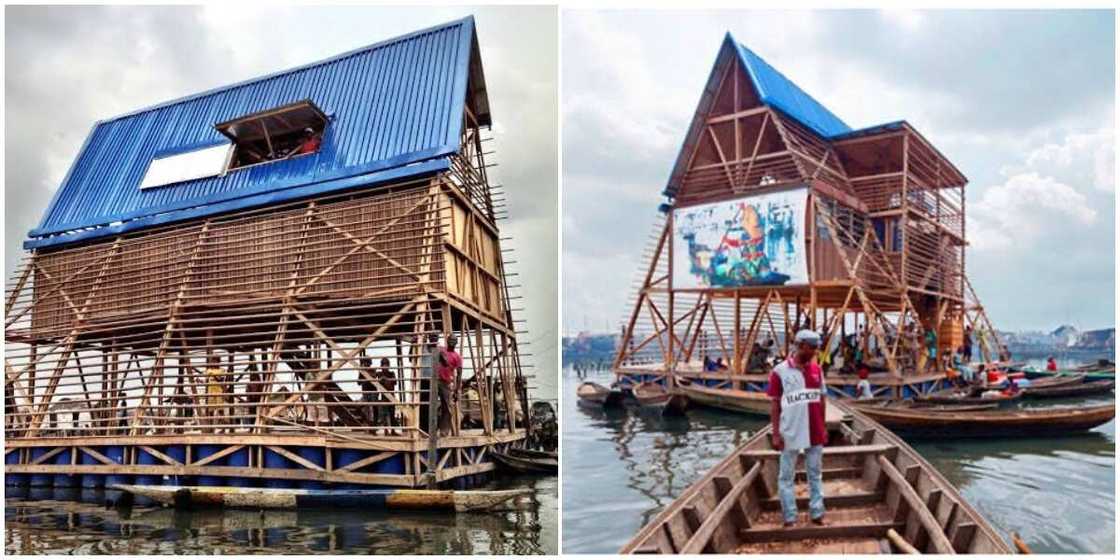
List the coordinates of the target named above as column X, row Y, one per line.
column 68, row 67
column 1021, row 102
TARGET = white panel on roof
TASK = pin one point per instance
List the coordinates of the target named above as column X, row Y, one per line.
column 196, row 164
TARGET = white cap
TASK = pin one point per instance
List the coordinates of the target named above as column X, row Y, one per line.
column 808, row 337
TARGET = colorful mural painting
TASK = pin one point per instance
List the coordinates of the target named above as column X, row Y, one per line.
column 751, row 241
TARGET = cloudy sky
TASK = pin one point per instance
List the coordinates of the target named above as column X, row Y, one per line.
column 1021, row 102
column 67, row 67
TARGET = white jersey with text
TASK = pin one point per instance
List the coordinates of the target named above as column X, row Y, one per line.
column 794, row 421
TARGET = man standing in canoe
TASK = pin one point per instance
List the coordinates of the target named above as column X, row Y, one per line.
column 797, row 418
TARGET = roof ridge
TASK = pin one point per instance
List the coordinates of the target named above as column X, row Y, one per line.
column 765, row 96
column 468, row 20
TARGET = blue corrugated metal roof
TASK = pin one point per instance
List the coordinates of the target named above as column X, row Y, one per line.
column 871, row 130
column 391, row 104
column 778, row 91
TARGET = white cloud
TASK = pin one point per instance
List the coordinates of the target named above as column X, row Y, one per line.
column 1089, row 156
column 1013, row 215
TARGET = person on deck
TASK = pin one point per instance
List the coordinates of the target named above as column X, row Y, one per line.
column 450, row 367
column 757, row 362
column 863, row 388
column 216, row 391
column 368, row 380
column 931, row 350
column 797, row 413
column 961, row 365
column 768, row 350
column 824, row 357
column 1051, row 364
column 310, row 143
column 966, row 348
column 388, row 379
column 709, row 363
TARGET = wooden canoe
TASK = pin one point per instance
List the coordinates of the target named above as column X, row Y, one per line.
column 524, row 464
column 751, row 402
column 912, row 405
column 992, row 423
column 186, row 497
column 951, row 396
column 1070, row 390
column 655, row 396
column 1032, row 374
column 874, row 483
column 531, row 453
column 594, row 394
column 1102, row 366
column 1054, row 381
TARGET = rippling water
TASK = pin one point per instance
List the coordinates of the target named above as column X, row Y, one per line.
column 622, row 467
column 42, row 522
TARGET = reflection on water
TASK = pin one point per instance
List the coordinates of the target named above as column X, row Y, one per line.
column 41, row 521
column 622, row 467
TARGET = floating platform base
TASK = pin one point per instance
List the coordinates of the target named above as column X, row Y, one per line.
column 186, row 497
column 882, row 384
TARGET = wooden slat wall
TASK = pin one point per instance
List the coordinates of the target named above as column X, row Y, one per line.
column 247, row 257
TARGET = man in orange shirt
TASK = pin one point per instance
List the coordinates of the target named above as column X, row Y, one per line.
column 309, row 145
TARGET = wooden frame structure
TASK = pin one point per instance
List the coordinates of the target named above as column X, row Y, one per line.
column 284, row 345
column 884, row 244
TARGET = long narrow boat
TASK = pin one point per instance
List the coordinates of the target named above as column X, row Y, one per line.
column 657, row 397
column 912, row 405
column 992, row 423
column 595, row 395
column 186, row 497
column 1035, row 373
column 751, row 402
column 953, row 396
column 525, row 464
column 1054, row 381
column 880, row 495
column 1071, row 390
column 1106, row 366
column 532, row 453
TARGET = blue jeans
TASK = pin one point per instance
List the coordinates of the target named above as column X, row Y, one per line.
column 786, row 469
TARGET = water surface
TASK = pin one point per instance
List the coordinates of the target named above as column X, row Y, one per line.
column 71, row 521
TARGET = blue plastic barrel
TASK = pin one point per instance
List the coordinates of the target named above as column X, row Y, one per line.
column 14, row 479
column 274, row 460
column 179, row 453
column 115, row 453
column 318, row 456
column 345, row 457
column 240, row 458
column 65, row 480
column 90, row 480
column 145, row 458
column 202, row 452
column 40, row 480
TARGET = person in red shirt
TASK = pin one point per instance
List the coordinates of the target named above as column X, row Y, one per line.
column 797, row 411
column 448, row 371
column 1051, row 364
column 310, row 143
